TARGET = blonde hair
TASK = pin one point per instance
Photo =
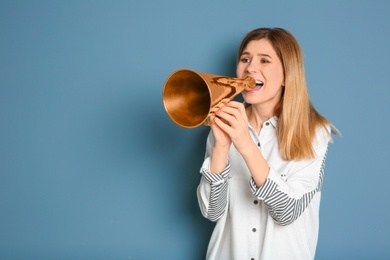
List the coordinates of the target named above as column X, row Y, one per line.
column 298, row 119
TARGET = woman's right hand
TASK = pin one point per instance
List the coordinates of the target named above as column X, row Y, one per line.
column 220, row 150
column 222, row 139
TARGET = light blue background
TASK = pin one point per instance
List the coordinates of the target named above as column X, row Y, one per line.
column 91, row 167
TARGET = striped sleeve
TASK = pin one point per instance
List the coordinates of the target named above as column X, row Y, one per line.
column 283, row 208
column 218, row 192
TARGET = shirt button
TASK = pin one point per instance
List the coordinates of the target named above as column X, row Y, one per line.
column 252, row 258
column 254, row 229
column 256, row 202
column 258, row 144
column 267, row 124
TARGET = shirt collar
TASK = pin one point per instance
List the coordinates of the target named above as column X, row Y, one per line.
column 273, row 120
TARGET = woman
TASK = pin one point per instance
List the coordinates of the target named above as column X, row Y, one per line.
column 264, row 163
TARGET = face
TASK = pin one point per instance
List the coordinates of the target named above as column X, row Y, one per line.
column 260, row 61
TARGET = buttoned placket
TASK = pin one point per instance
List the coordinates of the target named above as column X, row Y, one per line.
column 254, row 227
column 254, row 230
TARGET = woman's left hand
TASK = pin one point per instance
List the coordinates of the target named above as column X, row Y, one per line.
column 232, row 119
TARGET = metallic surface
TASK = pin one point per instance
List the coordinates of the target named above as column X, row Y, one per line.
column 190, row 97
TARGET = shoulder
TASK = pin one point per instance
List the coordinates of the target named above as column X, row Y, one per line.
column 322, row 136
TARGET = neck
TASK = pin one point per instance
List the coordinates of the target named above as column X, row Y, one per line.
column 257, row 116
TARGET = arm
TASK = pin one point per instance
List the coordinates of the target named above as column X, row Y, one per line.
column 287, row 200
column 213, row 188
column 234, row 124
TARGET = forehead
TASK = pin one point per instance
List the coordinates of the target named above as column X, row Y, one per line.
column 262, row 46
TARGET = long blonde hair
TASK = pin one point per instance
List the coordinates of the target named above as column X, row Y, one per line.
column 298, row 119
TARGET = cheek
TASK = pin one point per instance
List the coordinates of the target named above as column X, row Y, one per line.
column 278, row 75
column 239, row 71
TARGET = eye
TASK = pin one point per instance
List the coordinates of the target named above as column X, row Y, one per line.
column 264, row 61
column 245, row 60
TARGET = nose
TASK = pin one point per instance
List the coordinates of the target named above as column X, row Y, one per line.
column 252, row 68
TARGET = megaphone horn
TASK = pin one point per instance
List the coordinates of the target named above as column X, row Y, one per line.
column 190, row 97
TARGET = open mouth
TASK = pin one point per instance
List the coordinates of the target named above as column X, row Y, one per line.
column 259, row 83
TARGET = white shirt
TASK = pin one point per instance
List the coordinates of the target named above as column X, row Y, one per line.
column 280, row 219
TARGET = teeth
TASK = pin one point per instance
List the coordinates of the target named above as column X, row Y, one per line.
column 259, row 83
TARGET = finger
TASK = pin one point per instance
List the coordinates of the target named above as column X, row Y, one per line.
column 223, row 116
column 237, row 105
column 234, row 118
column 221, row 104
column 228, row 113
column 224, row 125
column 239, row 110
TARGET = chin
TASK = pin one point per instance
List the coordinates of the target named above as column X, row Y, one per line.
column 249, row 100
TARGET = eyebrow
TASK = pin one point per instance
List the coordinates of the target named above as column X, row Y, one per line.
column 259, row 54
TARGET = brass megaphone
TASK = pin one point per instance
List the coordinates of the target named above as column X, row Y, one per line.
column 190, row 97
